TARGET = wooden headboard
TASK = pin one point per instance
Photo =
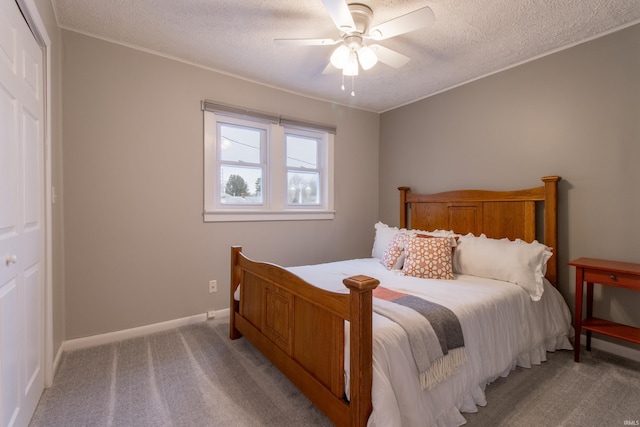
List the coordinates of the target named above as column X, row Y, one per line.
column 497, row 214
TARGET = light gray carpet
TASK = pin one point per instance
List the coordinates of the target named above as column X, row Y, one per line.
column 196, row 376
column 191, row 376
column 601, row 390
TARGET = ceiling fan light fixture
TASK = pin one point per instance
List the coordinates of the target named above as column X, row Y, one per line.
column 351, row 67
column 340, row 56
column 367, row 57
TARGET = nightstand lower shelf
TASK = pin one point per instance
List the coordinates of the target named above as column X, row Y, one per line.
column 612, row 329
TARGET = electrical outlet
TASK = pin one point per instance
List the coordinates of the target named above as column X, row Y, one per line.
column 213, row 286
column 211, row 314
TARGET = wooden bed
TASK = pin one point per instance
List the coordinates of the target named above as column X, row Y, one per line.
column 301, row 329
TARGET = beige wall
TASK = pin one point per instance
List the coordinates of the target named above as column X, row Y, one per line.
column 575, row 114
column 136, row 248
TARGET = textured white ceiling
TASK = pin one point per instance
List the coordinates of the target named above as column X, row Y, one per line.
column 468, row 39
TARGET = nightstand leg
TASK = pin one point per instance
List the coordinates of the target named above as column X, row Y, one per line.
column 578, row 314
column 589, row 311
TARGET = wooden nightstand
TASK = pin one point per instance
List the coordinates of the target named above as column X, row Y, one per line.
column 607, row 273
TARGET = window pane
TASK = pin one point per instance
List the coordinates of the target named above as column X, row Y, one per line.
column 240, row 143
column 241, row 185
column 302, row 152
column 304, row 188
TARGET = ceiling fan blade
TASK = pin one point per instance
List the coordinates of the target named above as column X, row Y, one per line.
column 403, row 24
column 340, row 14
column 388, row 56
column 329, row 69
column 305, row 42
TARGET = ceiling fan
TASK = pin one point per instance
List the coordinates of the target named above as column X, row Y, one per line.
column 354, row 23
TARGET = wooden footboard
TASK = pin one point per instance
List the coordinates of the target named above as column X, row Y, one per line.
column 301, row 330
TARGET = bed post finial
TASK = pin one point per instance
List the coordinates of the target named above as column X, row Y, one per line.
column 551, row 224
column 403, row 206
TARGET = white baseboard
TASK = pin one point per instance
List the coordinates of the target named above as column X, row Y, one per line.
column 110, row 337
column 57, row 359
column 613, row 348
column 221, row 314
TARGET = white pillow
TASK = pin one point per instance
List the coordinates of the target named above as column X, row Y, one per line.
column 384, row 235
column 519, row 262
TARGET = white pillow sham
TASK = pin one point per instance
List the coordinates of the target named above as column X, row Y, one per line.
column 518, row 262
column 384, row 236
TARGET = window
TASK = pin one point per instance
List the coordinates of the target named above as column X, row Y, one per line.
column 259, row 168
column 241, row 162
column 303, row 169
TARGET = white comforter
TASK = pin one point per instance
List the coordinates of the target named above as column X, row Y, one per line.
column 502, row 328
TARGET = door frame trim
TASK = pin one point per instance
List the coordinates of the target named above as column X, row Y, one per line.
column 32, row 16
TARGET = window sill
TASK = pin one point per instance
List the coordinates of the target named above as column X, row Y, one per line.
column 242, row 216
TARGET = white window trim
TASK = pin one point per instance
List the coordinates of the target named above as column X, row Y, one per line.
column 276, row 207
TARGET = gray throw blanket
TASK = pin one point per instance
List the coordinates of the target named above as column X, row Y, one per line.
column 435, row 334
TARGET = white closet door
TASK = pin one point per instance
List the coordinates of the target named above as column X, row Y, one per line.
column 22, row 260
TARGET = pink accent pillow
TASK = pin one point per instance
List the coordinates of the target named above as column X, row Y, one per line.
column 393, row 255
column 428, row 258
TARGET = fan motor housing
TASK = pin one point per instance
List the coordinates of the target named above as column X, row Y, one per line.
column 362, row 16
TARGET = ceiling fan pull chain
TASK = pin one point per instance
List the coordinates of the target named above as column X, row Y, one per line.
column 342, row 87
column 353, row 86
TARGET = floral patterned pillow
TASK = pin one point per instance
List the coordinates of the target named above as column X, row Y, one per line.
column 393, row 255
column 428, row 257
